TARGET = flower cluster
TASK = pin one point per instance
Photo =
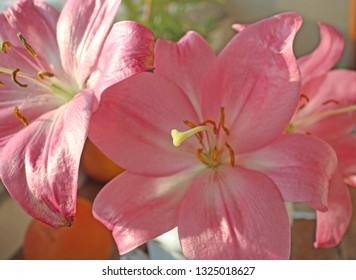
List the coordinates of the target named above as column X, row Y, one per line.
column 214, row 145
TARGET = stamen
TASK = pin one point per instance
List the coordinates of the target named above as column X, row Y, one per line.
column 1, row 84
column 20, row 116
column 215, row 154
column 222, row 121
column 189, row 123
column 212, row 123
column 26, row 45
column 303, row 96
column 42, row 74
column 331, row 101
column 192, row 125
column 5, row 45
column 199, row 154
column 232, row 154
column 302, row 106
column 179, row 137
column 13, row 76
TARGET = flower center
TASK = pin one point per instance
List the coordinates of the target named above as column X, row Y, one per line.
column 41, row 82
column 212, row 150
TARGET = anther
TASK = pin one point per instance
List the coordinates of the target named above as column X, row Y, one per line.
column 215, row 154
column 222, row 121
column 5, row 45
column 199, row 154
column 1, row 84
column 13, row 76
column 26, row 45
column 42, row 74
column 20, row 116
column 331, row 101
column 232, row 154
column 303, row 96
column 212, row 123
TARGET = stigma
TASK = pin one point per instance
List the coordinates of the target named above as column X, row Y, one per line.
column 179, row 137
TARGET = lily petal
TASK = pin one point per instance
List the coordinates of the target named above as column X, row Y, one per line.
column 240, row 215
column 332, row 224
column 82, row 29
column 151, row 211
column 140, row 130
column 185, row 63
column 35, row 20
column 301, row 166
column 39, row 165
column 256, row 79
column 325, row 56
column 128, row 50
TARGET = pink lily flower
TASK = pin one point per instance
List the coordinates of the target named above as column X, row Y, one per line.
column 224, row 180
column 327, row 110
column 53, row 69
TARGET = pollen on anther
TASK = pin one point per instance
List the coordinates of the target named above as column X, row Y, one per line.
column 20, row 116
column 232, row 154
column 26, row 45
column 333, row 101
column 5, row 45
column 13, row 76
column 222, row 121
column 43, row 74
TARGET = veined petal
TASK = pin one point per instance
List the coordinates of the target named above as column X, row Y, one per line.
column 234, row 214
column 325, row 56
column 185, row 63
column 139, row 114
column 138, row 208
column 37, row 22
column 39, row 165
column 336, row 90
column 32, row 109
column 256, row 79
column 128, row 49
column 82, row 29
column 332, row 224
column 301, row 166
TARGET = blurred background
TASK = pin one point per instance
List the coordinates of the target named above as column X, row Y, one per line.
column 213, row 19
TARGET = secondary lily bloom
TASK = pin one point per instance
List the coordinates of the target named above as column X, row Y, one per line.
column 327, row 109
column 224, row 180
column 53, row 68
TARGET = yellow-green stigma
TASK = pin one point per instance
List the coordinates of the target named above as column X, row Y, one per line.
column 179, row 137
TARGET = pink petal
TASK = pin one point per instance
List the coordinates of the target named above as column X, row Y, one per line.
column 237, row 214
column 325, row 56
column 37, row 22
column 138, row 209
column 301, row 166
column 128, row 50
column 81, row 32
column 345, row 148
column 39, row 165
column 31, row 109
column 134, row 121
column 256, row 80
column 332, row 224
column 336, row 90
column 185, row 63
